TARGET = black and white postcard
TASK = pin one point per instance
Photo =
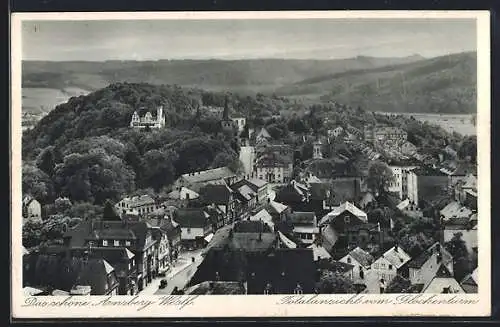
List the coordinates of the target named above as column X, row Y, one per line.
column 244, row 164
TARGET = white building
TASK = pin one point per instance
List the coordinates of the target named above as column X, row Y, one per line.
column 147, row 120
column 399, row 183
column 389, row 264
column 305, row 226
column 140, row 205
column 32, row 209
column 240, row 123
column 360, row 259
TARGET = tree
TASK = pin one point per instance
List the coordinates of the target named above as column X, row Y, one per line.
column 37, row 183
column 222, row 159
column 468, row 149
column 461, row 260
column 158, row 168
column 334, row 283
column 379, row 177
column 46, row 160
column 109, row 212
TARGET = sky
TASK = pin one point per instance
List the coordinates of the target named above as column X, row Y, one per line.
column 244, row 39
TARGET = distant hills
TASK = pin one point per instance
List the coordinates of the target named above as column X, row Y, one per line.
column 374, row 83
column 439, row 85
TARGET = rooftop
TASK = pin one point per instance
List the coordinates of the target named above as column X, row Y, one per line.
column 397, row 257
column 191, row 217
column 216, row 288
column 419, row 261
column 216, row 194
column 361, row 256
column 346, row 206
column 303, row 218
column 208, row 175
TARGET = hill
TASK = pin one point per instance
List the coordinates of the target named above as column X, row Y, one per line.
column 44, row 82
column 444, row 84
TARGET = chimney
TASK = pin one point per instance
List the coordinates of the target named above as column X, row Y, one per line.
column 396, row 247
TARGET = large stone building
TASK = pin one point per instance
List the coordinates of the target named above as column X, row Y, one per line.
column 148, row 120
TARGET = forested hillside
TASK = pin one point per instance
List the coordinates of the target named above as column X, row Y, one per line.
column 439, row 85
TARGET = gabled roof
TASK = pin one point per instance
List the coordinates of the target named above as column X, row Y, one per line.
column 263, row 133
column 140, row 200
column 303, row 218
column 27, row 199
column 251, row 226
column 455, row 210
column 335, row 266
column 319, row 252
column 419, row 261
column 246, row 192
column 191, row 217
column 288, row 243
column 276, row 207
column 443, row 282
column 263, row 216
column 216, row 194
column 346, row 206
column 257, row 182
column 397, row 257
column 465, row 168
column 470, row 182
column 361, row 256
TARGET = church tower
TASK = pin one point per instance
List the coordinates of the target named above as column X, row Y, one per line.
column 225, row 115
column 160, row 118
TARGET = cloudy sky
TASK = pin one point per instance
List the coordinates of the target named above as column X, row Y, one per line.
column 237, row 39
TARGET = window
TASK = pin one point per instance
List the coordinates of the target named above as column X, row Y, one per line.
column 347, row 219
column 382, row 265
column 127, row 243
column 104, row 242
column 375, row 265
column 188, row 230
column 349, row 260
column 390, row 267
column 116, row 243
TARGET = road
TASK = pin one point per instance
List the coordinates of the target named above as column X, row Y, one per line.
column 179, row 275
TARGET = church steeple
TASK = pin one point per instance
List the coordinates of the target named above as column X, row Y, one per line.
column 225, row 115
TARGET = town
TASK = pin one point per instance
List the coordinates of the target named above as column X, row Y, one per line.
column 345, row 207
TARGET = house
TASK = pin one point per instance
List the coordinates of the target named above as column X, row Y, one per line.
column 443, row 282
column 263, row 216
column 55, row 270
column 461, row 172
column 222, row 197
column 140, row 205
column 147, row 121
column 133, row 235
column 360, row 259
column 454, row 210
column 345, row 189
column 384, row 133
column 321, row 198
column 336, row 267
column 262, row 136
column 274, row 168
column 121, row 259
column 294, row 195
column 216, row 288
column 347, row 214
column 425, row 184
column 423, row 268
column 169, row 228
column 470, row 282
column 390, row 263
column 260, row 187
column 183, row 193
column 399, row 183
column 465, row 191
column 240, row 123
column 195, row 225
column 278, row 211
column 305, row 226
column 319, row 252
column 245, row 195
column 467, row 230
column 32, row 209
column 195, row 180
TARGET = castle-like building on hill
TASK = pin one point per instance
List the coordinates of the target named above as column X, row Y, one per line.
column 147, row 120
